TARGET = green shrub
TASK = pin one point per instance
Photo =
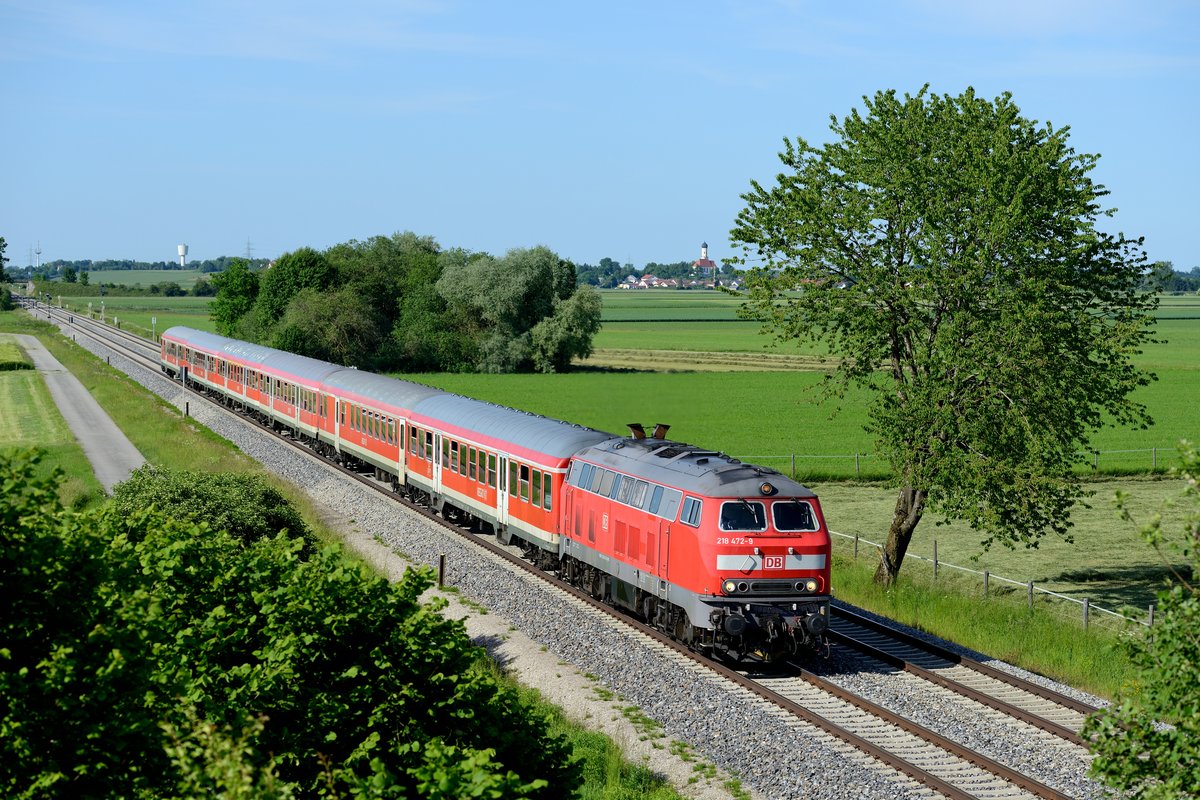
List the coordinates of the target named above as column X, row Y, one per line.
column 150, row 656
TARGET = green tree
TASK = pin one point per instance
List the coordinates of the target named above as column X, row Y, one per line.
column 69, row 275
column 237, row 289
column 568, row 333
column 947, row 251
column 338, row 326
column 4, row 277
column 83, row 278
column 1134, row 753
column 291, row 272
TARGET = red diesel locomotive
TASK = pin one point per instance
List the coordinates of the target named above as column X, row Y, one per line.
column 729, row 557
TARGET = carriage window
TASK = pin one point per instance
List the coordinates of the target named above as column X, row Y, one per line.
column 512, row 478
column 691, row 512
column 473, row 456
column 793, row 515
column 482, row 467
column 537, row 487
column 428, row 454
column 414, row 436
column 740, row 515
column 491, row 471
column 547, row 485
column 445, row 454
column 525, row 483
column 454, row 457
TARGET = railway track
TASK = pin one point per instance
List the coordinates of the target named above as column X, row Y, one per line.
column 947, row 768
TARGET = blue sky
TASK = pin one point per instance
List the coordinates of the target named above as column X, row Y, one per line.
column 619, row 129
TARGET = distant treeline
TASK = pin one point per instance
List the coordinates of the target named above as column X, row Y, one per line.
column 608, row 273
column 403, row 303
column 55, row 268
column 1163, row 277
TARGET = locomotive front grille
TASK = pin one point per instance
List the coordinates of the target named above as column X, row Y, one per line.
column 772, row 587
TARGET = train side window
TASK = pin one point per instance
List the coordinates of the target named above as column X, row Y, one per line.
column 512, row 478
column 655, row 500
column 585, row 477
column 626, row 490
column 547, row 486
column 638, row 496
column 454, row 457
column 616, row 486
column 491, row 467
column 574, row 472
column 606, row 482
column 445, row 454
column 472, row 468
column 414, row 436
column 429, row 454
column 537, row 488
column 670, row 503
column 691, row 512
column 482, row 463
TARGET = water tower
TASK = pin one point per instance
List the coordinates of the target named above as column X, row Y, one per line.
column 182, row 255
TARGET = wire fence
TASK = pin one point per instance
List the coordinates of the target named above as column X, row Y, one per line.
column 867, row 465
column 1086, row 607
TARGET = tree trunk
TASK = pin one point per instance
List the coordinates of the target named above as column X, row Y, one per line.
column 910, row 505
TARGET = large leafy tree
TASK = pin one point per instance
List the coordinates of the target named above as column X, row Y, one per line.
column 948, row 252
column 237, row 289
column 1135, row 753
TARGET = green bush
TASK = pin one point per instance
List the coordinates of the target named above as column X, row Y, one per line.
column 244, row 505
column 149, row 656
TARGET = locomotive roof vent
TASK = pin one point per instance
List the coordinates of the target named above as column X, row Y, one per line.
column 636, row 430
column 660, row 430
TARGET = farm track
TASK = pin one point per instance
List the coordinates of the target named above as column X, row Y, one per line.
column 947, row 768
column 703, row 361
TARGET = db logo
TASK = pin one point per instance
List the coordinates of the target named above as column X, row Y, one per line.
column 772, row 562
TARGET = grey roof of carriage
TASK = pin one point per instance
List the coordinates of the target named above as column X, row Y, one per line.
column 542, row 434
column 691, row 468
column 392, row 391
column 310, row 369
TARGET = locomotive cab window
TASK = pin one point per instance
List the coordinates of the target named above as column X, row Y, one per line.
column 691, row 512
column 741, row 515
column 793, row 515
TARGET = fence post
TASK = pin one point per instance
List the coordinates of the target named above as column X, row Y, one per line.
column 856, row 559
column 441, row 570
column 857, row 471
column 1031, row 595
column 1150, row 624
column 1086, row 608
column 1153, row 458
column 986, row 576
column 793, row 466
column 935, row 563
column 1096, row 460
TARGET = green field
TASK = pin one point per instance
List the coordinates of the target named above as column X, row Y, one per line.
column 146, row 315
column 186, row 278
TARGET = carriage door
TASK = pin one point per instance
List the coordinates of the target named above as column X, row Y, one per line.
column 664, row 552
column 502, row 491
column 437, row 463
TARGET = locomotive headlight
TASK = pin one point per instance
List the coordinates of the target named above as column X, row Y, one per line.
column 811, row 585
column 730, row 587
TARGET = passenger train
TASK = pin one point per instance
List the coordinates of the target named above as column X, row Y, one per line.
column 728, row 557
